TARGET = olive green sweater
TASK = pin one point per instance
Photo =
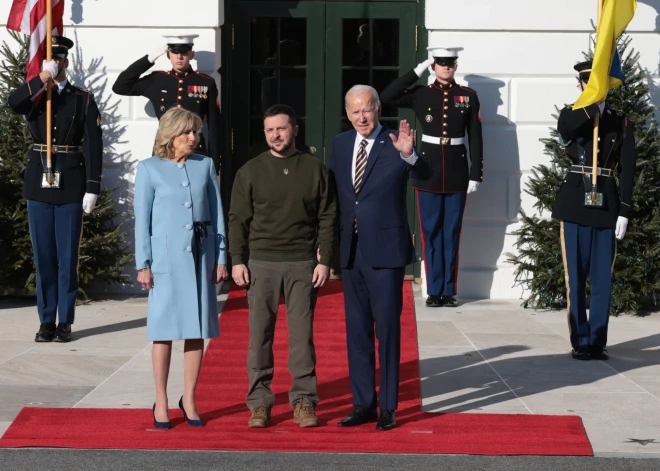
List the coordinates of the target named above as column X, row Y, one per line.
column 281, row 210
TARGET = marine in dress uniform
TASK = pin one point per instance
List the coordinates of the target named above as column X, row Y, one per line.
column 182, row 86
column 447, row 112
column 592, row 217
column 55, row 210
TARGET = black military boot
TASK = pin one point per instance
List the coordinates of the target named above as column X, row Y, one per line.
column 63, row 333
column 433, row 301
column 46, row 332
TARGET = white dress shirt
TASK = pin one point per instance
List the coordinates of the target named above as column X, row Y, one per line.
column 602, row 108
column 411, row 159
column 60, row 86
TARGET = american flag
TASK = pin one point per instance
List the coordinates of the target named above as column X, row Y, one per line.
column 29, row 17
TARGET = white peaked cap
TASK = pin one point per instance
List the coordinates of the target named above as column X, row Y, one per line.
column 444, row 51
column 181, row 39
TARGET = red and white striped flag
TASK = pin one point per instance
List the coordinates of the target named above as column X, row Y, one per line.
column 29, row 17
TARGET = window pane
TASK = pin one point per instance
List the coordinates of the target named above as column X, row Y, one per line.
column 353, row 77
column 386, row 42
column 257, row 139
column 355, row 45
column 390, row 123
column 301, row 142
column 293, row 34
column 263, row 41
column 346, row 125
column 381, row 79
column 263, row 85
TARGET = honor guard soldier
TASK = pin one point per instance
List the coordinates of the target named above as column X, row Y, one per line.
column 447, row 111
column 593, row 215
column 182, row 86
column 57, row 198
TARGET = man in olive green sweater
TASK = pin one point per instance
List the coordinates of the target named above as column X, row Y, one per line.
column 283, row 213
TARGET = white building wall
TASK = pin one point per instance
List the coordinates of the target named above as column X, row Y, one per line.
column 111, row 35
column 519, row 57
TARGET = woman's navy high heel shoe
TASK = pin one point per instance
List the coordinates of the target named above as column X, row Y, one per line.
column 157, row 424
column 191, row 422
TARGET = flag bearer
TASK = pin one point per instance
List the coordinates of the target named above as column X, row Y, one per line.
column 55, row 205
column 592, row 216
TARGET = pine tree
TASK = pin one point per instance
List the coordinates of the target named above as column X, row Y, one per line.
column 16, row 260
column 636, row 276
column 104, row 248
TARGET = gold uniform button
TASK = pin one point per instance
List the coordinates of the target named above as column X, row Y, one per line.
column 444, row 116
column 446, row 93
column 180, row 81
column 178, row 98
column 444, row 124
column 446, row 107
column 446, row 99
column 429, row 109
column 180, row 89
column 444, row 132
column 178, row 106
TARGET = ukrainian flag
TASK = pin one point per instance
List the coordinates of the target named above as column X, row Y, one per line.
column 606, row 70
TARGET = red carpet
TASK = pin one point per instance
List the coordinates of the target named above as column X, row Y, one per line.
column 223, row 385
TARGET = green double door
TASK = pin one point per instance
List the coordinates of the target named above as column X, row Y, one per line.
column 308, row 54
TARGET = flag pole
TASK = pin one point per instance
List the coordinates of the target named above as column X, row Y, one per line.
column 594, row 158
column 49, row 91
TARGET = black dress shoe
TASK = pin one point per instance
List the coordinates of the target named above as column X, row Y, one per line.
column 63, row 333
column 599, row 353
column 386, row 421
column 433, row 301
column 359, row 416
column 449, row 301
column 581, row 353
column 46, row 332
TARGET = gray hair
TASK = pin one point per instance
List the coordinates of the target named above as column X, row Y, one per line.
column 355, row 89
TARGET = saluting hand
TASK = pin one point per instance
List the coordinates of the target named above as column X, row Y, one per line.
column 404, row 142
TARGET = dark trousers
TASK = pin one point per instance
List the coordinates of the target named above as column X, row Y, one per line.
column 56, row 232
column 441, row 219
column 268, row 281
column 588, row 251
column 373, row 296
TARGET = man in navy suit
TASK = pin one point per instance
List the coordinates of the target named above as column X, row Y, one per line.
column 371, row 165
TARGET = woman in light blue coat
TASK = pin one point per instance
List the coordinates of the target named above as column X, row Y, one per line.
column 180, row 252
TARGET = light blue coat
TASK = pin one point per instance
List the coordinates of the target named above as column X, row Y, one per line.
column 169, row 197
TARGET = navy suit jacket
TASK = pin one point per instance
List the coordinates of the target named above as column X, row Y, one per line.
column 380, row 206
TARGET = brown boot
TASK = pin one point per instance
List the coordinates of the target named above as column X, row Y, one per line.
column 260, row 418
column 304, row 415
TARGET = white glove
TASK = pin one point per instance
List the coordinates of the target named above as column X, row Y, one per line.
column 422, row 66
column 472, row 186
column 51, row 67
column 621, row 226
column 155, row 54
column 89, row 201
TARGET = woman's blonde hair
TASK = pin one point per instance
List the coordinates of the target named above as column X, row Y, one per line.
column 172, row 124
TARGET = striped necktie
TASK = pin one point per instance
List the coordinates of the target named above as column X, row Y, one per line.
column 360, row 166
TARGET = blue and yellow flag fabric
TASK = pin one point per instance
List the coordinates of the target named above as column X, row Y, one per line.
column 606, row 70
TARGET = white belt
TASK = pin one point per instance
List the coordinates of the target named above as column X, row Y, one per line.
column 445, row 141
